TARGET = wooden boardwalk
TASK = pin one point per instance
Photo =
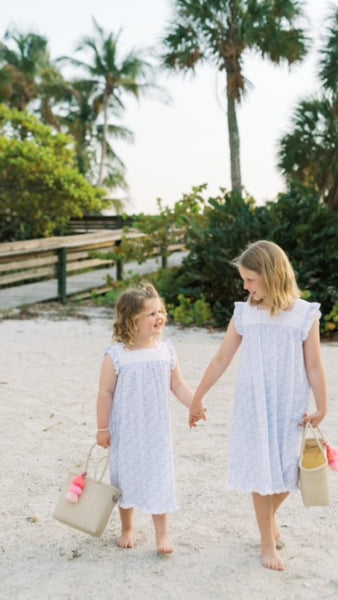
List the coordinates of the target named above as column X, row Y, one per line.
column 43, row 291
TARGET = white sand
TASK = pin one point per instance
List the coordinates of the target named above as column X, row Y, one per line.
column 48, row 383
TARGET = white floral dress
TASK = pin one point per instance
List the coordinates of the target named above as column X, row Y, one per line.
column 272, row 395
column 141, row 462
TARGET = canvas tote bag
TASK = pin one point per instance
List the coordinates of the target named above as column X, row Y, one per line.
column 91, row 512
column 314, row 477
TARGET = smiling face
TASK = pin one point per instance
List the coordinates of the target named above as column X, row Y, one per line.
column 151, row 322
column 254, row 284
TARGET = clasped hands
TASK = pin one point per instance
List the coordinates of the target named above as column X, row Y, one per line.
column 197, row 413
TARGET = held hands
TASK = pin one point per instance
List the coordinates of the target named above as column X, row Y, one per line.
column 197, row 413
column 103, row 438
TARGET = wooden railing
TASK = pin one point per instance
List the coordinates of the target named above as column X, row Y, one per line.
column 95, row 223
column 58, row 257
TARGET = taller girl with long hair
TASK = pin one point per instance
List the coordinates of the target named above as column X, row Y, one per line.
column 280, row 362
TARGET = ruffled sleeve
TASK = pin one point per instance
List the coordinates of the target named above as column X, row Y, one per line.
column 172, row 354
column 238, row 314
column 313, row 311
column 112, row 351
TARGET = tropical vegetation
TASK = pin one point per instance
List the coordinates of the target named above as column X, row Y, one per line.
column 40, row 186
column 309, row 153
column 107, row 80
column 54, row 168
column 88, row 106
column 219, row 228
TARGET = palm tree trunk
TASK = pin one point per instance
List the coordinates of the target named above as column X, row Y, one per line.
column 235, row 159
column 104, row 142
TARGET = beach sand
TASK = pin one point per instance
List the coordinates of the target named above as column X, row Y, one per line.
column 48, row 383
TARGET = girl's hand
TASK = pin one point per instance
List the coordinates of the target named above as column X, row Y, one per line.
column 314, row 418
column 197, row 413
column 103, row 438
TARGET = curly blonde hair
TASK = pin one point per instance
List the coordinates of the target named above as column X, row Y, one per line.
column 270, row 261
column 129, row 307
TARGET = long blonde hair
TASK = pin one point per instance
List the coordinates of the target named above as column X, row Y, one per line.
column 270, row 261
column 129, row 307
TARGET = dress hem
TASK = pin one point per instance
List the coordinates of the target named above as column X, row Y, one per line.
column 149, row 511
column 263, row 493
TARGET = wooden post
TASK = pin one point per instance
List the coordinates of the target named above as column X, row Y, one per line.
column 119, row 270
column 164, row 256
column 119, row 264
column 62, row 275
column 164, row 261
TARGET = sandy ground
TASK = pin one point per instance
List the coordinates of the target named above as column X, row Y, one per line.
column 48, row 382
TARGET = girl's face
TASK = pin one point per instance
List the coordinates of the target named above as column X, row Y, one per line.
column 152, row 320
column 253, row 283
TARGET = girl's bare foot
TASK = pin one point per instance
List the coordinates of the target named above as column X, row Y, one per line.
column 126, row 539
column 271, row 558
column 164, row 546
column 162, row 534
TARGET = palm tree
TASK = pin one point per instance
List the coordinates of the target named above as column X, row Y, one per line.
column 309, row 153
column 328, row 71
column 221, row 32
column 111, row 79
column 80, row 118
column 28, row 79
column 20, row 67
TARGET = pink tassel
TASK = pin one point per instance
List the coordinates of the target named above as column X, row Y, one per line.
column 76, row 488
column 71, row 497
column 80, row 480
column 332, row 456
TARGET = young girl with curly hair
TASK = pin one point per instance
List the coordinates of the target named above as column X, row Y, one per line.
column 133, row 415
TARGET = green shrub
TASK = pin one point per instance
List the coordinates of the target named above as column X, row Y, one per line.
column 191, row 313
column 330, row 325
column 305, row 228
column 206, row 286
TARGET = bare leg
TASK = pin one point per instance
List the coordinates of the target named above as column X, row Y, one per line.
column 126, row 539
column 265, row 515
column 161, row 532
column 278, row 499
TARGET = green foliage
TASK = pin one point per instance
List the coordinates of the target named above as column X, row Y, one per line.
column 109, row 299
column 298, row 222
column 40, row 187
column 309, row 152
column 156, row 233
column 230, row 222
column 191, row 313
column 205, row 287
column 331, row 321
column 308, row 231
column 84, row 105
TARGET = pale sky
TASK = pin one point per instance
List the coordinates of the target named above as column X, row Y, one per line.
column 185, row 143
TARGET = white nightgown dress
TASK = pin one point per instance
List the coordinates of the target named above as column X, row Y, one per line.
column 141, row 462
column 272, row 395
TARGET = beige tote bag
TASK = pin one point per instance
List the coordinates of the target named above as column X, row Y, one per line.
column 91, row 512
column 314, row 476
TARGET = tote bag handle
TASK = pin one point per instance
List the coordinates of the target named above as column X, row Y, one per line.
column 316, row 433
column 100, row 460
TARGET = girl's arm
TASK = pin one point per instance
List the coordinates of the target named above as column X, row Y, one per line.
column 316, row 374
column 107, row 383
column 180, row 388
column 215, row 370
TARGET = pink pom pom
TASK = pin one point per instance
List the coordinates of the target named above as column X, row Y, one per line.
column 71, row 497
column 332, row 457
column 80, row 480
column 76, row 489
